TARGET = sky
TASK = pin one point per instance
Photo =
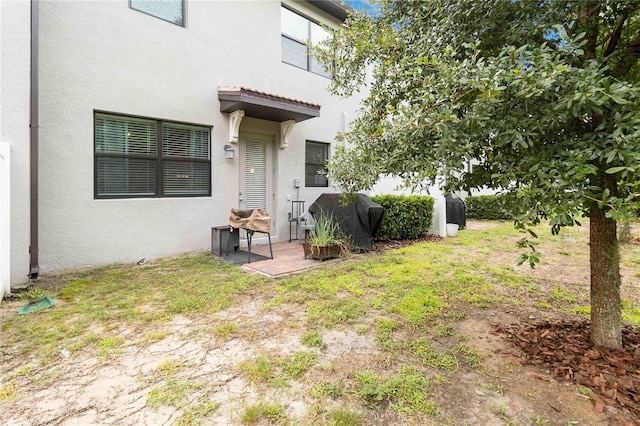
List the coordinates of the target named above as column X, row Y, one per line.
column 363, row 5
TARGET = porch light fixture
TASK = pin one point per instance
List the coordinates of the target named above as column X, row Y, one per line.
column 229, row 152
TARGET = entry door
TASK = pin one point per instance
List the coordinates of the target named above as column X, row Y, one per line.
column 256, row 174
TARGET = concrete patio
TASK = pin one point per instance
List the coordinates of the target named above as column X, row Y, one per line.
column 288, row 259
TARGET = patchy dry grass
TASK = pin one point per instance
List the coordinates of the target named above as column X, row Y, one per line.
column 96, row 305
column 381, row 339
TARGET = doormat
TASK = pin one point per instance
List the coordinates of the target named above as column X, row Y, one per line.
column 241, row 257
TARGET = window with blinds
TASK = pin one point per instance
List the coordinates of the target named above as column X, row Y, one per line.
column 316, row 157
column 142, row 157
column 299, row 35
column 167, row 10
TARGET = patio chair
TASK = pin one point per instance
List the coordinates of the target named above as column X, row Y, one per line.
column 295, row 216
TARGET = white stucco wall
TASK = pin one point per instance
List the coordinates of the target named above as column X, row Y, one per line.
column 14, row 125
column 5, row 218
column 101, row 55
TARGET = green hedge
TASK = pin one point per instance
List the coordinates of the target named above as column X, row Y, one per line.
column 488, row 206
column 406, row 217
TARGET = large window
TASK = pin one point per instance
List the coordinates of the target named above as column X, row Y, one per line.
column 142, row 157
column 299, row 35
column 167, row 10
column 316, row 157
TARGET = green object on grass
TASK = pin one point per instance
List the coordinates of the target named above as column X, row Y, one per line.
column 36, row 305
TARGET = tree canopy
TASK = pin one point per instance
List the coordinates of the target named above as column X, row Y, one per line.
column 542, row 97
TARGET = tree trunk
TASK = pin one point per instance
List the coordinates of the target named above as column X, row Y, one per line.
column 606, row 316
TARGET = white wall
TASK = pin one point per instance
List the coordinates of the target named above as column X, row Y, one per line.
column 5, row 215
column 15, row 21
column 105, row 56
column 312, row 88
column 483, row 191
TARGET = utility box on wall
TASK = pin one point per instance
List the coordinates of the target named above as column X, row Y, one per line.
column 224, row 240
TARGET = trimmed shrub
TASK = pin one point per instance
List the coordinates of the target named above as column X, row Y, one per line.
column 488, row 206
column 406, row 217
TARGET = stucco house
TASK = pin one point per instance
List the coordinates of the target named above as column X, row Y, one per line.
column 130, row 128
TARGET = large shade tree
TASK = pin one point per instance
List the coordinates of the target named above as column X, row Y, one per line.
column 541, row 96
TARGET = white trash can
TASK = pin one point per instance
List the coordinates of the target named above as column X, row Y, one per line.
column 452, row 229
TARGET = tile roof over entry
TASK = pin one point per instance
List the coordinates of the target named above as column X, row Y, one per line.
column 265, row 106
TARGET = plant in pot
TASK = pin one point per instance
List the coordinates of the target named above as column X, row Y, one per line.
column 326, row 240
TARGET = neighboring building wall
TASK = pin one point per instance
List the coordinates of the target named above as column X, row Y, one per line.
column 105, row 56
column 15, row 21
column 482, row 191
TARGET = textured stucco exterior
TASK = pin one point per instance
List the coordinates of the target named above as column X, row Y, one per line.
column 5, row 218
column 15, row 39
column 105, row 56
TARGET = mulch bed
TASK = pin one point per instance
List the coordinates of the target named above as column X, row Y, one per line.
column 563, row 348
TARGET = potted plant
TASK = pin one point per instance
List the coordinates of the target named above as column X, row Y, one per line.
column 326, row 240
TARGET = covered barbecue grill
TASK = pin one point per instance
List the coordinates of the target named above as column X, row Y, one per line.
column 359, row 220
column 456, row 211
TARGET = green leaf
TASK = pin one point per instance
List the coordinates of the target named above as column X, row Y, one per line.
column 614, row 170
column 522, row 258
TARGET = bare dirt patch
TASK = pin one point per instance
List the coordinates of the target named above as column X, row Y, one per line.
column 512, row 392
column 89, row 389
column 474, row 225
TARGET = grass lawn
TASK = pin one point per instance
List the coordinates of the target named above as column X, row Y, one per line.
column 402, row 337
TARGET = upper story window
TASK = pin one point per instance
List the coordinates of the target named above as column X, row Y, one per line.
column 167, row 10
column 299, row 35
column 143, row 157
column 315, row 164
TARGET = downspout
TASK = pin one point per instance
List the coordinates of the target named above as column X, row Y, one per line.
column 34, row 266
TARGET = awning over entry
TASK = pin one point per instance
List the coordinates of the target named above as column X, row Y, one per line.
column 265, row 106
